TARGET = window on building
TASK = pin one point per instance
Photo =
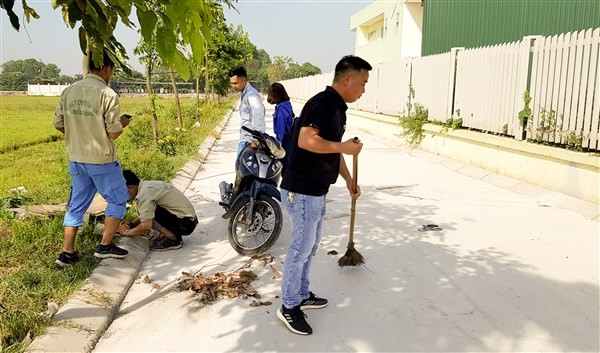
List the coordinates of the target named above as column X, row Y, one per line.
column 375, row 32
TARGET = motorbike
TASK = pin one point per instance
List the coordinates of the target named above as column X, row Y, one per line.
column 252, row 205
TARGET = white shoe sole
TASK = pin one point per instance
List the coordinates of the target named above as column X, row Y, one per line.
column 108, row 256
column 174, row 247
column 313, row 306
column 282, row 318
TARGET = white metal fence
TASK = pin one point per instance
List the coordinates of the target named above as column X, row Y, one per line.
column 485, row 87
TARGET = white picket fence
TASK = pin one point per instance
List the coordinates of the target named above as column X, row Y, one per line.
column 485, row 87
column 565, row 88
column 490, row 82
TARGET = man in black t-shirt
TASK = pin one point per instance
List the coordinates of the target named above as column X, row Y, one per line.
column 314, row 164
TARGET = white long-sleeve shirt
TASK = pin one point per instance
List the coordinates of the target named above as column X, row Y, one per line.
column 252, row 112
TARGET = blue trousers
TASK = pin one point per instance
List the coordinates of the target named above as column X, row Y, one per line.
column 107, row 179
column 306, row 215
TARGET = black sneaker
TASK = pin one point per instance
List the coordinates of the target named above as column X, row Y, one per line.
column 67, row 259
column 111, row 250
column 313, row 302
column 294, row 320
column 164, row 244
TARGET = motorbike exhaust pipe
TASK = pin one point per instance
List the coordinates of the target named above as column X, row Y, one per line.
column 225, row 189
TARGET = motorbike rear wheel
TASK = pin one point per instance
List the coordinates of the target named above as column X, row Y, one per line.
column 258, row 235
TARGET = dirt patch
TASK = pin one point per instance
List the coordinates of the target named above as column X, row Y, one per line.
column 13, row 93
column 5, row 231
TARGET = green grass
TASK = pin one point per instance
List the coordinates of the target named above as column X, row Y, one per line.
column 29, row 281
column 28, row 247
column 41, row 169
column 26, row 120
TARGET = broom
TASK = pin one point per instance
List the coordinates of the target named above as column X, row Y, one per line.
column 352, row 257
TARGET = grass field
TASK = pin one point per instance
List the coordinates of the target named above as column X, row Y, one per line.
column 26, row 120
column 33, row 155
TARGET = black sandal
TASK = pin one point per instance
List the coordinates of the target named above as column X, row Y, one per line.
column 430, row 227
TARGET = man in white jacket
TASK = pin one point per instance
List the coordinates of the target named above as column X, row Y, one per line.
column 252, row 110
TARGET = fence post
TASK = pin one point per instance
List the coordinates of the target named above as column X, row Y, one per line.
column 523, row 82
column 452, row 80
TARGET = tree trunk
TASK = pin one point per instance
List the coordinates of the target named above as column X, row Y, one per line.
column 197, row 98
column 206, row 73
column 176, row 92
column 85, row 65
column 152, row 104
column 85, row 61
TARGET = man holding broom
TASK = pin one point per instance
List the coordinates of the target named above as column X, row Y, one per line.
column 315, row 162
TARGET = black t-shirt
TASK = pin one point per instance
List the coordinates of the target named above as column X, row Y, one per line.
column 312, row 173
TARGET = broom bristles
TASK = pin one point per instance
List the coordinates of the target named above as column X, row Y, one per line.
column 351, row 258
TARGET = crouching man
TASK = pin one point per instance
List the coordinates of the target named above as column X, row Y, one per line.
column 161, row 207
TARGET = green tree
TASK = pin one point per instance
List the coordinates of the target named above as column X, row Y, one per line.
column 233, row 49
column 64, row 79
column 295, row 70
column 257, row 68
column 16, row 74
column 277, row 69
column 149, row 56
column 186, row 22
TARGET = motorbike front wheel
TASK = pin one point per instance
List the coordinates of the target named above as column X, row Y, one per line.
column 255, row 236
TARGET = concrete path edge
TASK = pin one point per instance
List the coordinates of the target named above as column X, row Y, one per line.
column 81, row 321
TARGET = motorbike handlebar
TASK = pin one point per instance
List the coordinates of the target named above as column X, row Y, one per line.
column 253, row 132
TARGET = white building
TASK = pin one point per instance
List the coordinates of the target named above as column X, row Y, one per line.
column 388, row 30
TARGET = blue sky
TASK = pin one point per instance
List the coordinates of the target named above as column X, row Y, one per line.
column 315, row 31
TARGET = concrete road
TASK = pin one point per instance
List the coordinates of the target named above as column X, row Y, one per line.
column 507, row 272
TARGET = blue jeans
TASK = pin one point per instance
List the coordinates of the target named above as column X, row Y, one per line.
column 306, row 215
column 241, row 147
column 86, row 179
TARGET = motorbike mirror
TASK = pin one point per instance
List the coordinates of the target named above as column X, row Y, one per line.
column 277, row 151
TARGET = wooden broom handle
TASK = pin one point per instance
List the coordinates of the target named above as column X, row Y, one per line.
column 354, row 190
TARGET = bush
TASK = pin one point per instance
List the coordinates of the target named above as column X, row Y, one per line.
column 412, row 124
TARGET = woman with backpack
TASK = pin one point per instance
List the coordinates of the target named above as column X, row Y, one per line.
column 282, row 118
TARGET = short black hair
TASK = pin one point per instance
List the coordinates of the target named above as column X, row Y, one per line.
column 106, row 61
column 350, row 63
column 130, row 178
column 238, row 71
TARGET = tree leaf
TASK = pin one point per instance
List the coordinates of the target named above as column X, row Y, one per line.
column 75, row 14
column 57, row 3
column 29, row 12
column 82, row 39
column 182, row 66
column 165, row 44
column 14, row 20
column 148, row 22
column 197, row 45
column 8, row 5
